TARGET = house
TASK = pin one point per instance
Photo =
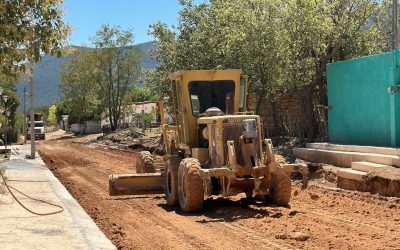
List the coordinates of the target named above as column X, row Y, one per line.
column 131, row 113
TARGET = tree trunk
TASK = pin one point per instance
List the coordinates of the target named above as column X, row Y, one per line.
column 262, row 94
column 275, row 118
column 308, row 102
column 259, row 102
column 110, row 115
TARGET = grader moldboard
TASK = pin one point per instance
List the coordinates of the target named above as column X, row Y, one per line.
column 214, row 147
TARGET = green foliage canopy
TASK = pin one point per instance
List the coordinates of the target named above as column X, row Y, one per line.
column 97, row 81
column 27, row 29
column 282, row 45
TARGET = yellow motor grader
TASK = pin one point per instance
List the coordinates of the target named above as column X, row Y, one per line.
column 214, row 147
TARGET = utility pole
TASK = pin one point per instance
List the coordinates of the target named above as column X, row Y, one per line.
column 24, row 111
column 143, row 124
column 32, row 110
column 395, row 25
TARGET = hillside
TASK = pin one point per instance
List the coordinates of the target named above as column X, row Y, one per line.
column 47, row 76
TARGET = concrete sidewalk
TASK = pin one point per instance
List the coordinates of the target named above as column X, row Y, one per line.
column 19, row 229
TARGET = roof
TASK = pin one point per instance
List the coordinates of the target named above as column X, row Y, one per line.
column 177, row 74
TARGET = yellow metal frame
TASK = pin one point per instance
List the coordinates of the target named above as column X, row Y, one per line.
column 185, row 120
column 218, row 121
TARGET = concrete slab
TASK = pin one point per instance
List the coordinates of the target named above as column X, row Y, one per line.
column 354, row 148
column 71, row 229
column 351, row 174
column 343, row 158
column 367, row 166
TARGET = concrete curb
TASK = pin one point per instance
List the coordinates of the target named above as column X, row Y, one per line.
column 71, row 229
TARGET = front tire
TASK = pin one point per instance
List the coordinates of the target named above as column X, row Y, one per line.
column 190, row 185
column 145, row 163
column 171, row 180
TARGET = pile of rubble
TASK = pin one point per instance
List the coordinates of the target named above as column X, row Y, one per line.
column 135, row 139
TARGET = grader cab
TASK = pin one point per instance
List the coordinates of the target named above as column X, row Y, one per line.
column 214, row 147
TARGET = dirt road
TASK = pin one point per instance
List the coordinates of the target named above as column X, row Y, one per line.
column 318, row 218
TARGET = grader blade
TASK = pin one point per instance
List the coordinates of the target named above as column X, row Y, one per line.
column 134, row 184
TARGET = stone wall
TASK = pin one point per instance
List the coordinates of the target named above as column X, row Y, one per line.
column 290, row 116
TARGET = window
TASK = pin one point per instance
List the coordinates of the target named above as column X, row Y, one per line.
column 242, row 92
column 207, row 94
column 195, row 104
column 37, row 124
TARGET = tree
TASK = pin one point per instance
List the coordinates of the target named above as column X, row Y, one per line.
column 142, row 95
column 283, row 46
column 97, row 81
column 52, row 118
column 28, row 29
column 8, row 86
column 117, row 66
column 254, row 41
column 321, row 32
column 222, row 35
column 79, row 86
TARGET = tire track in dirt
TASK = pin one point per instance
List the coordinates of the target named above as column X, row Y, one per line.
column 100, row 190
column 353, row 223
column 179, row 235
column 149, row 222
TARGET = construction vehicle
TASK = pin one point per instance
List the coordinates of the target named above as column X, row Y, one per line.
column 39, row 129
column 215, row 147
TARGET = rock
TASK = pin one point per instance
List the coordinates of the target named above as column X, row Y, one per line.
column 292, row 213
column 314, row 196
column 220, row 212
column 295, row 193
column 281, row 236
column 392, row 206
column 258, row 216
column 277, row 215
column 299, row 236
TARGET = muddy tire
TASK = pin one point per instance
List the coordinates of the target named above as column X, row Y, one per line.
column 190, row 185
column 280, row 192
column 171, row 180
column 145, row 163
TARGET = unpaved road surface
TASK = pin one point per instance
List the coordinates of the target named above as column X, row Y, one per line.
column 318, row 218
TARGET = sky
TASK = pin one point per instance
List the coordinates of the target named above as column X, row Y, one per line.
column 86, row 16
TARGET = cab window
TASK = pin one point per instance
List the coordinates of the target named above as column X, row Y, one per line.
column 207, row 94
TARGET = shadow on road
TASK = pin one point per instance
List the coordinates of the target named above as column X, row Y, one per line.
column 226, row 210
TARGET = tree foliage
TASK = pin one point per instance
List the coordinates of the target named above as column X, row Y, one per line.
column 97, row 81
column 52, row 117
column 8, row 86
column 27, row 29
column 79, row 87
column 282, row 45
column 118, row 68
column 142, row 95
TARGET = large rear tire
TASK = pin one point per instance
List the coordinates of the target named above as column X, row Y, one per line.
column 280, row 191
column 171, row 180
column 145, row 163
column 190, row 185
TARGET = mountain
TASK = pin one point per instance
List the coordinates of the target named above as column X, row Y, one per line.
column 47, row 76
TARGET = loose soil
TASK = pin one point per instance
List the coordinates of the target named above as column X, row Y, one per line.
column 319, row 217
